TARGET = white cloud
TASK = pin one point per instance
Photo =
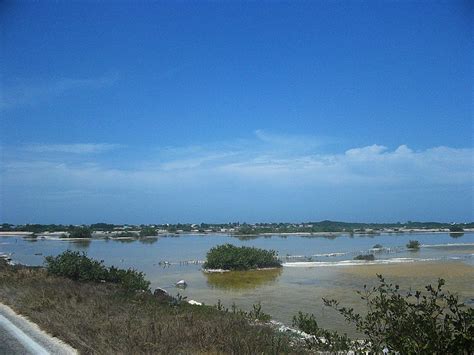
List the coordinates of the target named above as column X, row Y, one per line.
column 370, row 165
column 79, row 148
column 232, row 174
column 28, row 93
column 364, row 153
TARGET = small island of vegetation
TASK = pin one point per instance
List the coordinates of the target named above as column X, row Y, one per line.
column 230, row 257
column 366, row 257
column 413, row 245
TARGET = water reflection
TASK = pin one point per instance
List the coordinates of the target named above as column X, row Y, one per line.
column 148, row 240
column 243, row 280
column 81, row 244
column 456, row 234
column 123, row 240
column 247, row 237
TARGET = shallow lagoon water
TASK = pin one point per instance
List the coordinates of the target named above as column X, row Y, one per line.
column 315, row 267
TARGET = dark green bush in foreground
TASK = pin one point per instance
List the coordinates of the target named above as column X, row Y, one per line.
column 433, row 322
column 77, row 266
column 230, row 257
column 323, row 339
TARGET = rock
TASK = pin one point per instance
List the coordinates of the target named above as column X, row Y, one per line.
column 181, row 284
column 160, row 292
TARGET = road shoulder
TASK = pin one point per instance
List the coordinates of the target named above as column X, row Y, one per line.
column 29, row 335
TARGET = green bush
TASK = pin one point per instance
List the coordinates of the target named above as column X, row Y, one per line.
column 148, row 232
column 413, row 244
column 230, row 257
column 431, row 322
column 77, row 266
column 323, row 339
column 366, row 257
column 455, row 229
column 80, row 232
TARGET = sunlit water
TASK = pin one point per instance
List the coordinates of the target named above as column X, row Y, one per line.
column 314, row 267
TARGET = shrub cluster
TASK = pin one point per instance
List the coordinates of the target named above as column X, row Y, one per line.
column 366, row 257
column 413, row 244
column 80, row 232
column 255, row 314
column 323, row 339
column 455, row 229
column 230, row 257
column 77, row 266
column 148, row 232
column 431, row 322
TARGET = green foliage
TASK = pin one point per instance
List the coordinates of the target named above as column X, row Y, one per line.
column 413, row 244
column 366, row 257
column 433, row 322
column 255, row 314
column 102, row 227
column 129, row 279
column 80, row 232
column 77, row 266
column 148, row 232
column 178, row 300
column 322, row 339
column 456, row 228
column 377, row 246
column 230, row 257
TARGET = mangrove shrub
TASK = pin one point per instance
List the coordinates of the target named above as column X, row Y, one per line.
column 230, row 257
column 415, row 322
column 77, row 266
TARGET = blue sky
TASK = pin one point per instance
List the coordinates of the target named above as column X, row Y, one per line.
column 141, row 112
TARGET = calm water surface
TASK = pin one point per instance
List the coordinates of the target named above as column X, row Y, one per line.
column 314, row 267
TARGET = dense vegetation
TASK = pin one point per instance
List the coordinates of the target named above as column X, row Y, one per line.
column 148, row 232
column 366, row 257
column 456, row 228
column 413, row 244
column 80, row 232
column 247, row 229
column 77, row 266
column 431, row 322
column 230, row 257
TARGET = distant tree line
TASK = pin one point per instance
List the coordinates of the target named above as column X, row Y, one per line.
column 243, row 228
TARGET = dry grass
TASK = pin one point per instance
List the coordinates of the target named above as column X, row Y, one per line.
column 102, row 319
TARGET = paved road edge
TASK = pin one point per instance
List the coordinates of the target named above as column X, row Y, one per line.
column 30, row 335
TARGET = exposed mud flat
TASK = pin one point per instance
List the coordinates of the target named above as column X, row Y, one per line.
column 446, row 270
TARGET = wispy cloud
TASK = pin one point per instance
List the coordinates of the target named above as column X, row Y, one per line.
column 84, row 148
column 29, row 93
column 281, row 160
column 291, row 142
column 232, row 173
